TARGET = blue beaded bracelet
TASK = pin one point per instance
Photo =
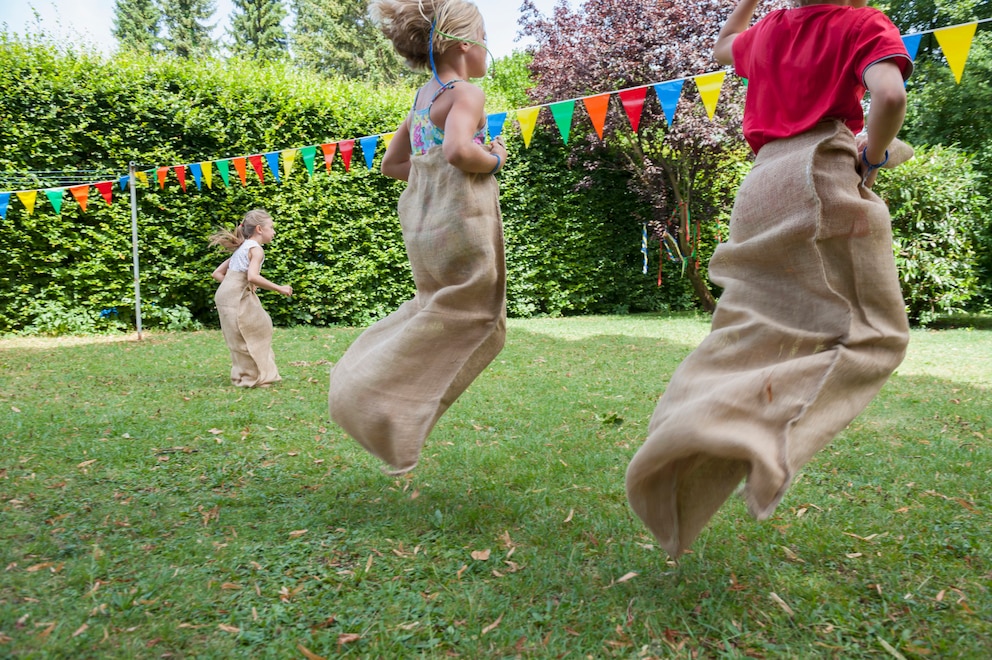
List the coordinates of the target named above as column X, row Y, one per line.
column 499, row 161
column 864, row 159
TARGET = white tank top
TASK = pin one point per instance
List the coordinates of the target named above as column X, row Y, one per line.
column 239, row 260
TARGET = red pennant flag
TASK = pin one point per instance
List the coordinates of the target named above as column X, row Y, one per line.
column 239, row 165
column 597, row 106
column 256, row 163
column 346, row 147
column 162, row 173
column 633, row 104
column 181, row 173
column 81, row 194
column 105, row 188
column 329, row 150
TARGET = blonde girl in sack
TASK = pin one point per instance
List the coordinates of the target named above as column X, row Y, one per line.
column 398, row 378
column 246, row 326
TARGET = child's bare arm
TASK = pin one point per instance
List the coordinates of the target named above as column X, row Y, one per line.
column 221, row 271
column 254, row 274
column 886, row 113
column 738, row 21
column 396, row 161
column 460, row 126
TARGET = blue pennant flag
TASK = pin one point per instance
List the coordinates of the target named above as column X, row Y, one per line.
column 197, row 171
column 4, row 201
column 669, row 94
column 273, row 158
column 368, row 148
column 494, row 124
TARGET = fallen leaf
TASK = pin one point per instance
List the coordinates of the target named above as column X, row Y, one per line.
column 227, row 628
column 215, row 431
column 308, row 654
column 569, row 518
column 853, row 555
column 492, row 626
column 298, row 533
column 15, row 409
column 781, row 603
column 891, row 649
column 86, row 463
column 627, row 576
column 461, row 570
column 81, row 629
column 348, row 638
column 39, row 567
column 230, row 585
column 481, row 555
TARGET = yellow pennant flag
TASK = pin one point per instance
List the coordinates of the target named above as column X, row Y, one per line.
column 288, row 160
column 709, row 85
column 387, row 138
column 956, row 42
column 141, row 177
column 207, row 173
column 27, row 198
column 527, row 118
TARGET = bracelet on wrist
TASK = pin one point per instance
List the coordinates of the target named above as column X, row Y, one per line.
column 873, row 166
column 499, row 161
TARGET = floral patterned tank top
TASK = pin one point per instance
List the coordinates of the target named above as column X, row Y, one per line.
column 424, row 134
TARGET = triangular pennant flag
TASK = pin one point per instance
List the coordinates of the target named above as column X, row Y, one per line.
column 256, row 164
column 208, row 175
column 562, row 112
column 181, row 175
column 368, row 145
column 142, row 177
column 956, row 42
column 494, row 124
column 308, row 154
column 346, row 147
column 668, row 94
column 162, row 173
column 81, row 194
column 387, row 138
column 912, row 44
column 633, row 104
column 289, row 160
column 709, row 85
column 27, row 198
column 329, row 149
column 122, row 182
column 197, row 173
column 273, row 159
column 224, row 167
column 597, row 106
column 4, row 202
column 527, row 118
column 55, row 197
column 106, row 188
column 239, row 165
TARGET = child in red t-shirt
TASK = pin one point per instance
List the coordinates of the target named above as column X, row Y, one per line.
column 811, row 321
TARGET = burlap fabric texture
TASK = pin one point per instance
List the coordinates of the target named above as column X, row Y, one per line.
column 397, row 379
column 247, row 330
column 810, row 324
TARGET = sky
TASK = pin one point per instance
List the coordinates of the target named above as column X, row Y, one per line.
column 91, row 21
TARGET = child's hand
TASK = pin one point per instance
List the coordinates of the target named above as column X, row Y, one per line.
column 496, row 146
column 286, row 291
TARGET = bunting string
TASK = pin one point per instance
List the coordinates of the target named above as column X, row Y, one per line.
column 954, row 41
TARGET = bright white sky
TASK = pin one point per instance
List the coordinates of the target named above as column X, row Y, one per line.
column 91, row 21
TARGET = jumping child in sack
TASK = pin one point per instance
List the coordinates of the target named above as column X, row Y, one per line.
column 811, row 322
column 398, row 378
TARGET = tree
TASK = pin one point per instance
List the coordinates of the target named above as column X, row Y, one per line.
column 338, row 37
column 136, row 24
column 188, row 35
column 639, row 42
column 257, row 30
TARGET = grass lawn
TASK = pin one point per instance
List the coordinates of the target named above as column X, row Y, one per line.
column 150, row 510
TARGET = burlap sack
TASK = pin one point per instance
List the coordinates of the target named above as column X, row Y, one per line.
column 247, row 330
column 810, row 324
column 393, row 383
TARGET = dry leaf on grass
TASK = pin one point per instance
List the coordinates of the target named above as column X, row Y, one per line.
column 86, row 463
column 228, row 628
column 298, row 533
column 230, row 585
column 492, row 626
column 569, row 517
column 81, row 629
column 781, row 603
column 348, row 638
column 481, row 555
column 627, row 576
column 308, row 654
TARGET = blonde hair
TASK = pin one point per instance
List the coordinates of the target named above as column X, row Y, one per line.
column 232, row 240
column 407, row 23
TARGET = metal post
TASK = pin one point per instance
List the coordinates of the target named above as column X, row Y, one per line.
column 134, row 246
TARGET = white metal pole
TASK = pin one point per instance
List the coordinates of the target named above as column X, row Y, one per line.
column 134, row 247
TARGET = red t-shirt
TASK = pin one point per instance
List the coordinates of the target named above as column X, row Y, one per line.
column 807, row 64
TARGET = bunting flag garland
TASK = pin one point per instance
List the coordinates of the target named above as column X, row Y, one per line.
column 54, row 196
column 597, row 106
column 368, row 148
column 81, row 194
column 346, row 147
column 668, row 94
column 955, row 43
column 633, row 103
column 328, row 150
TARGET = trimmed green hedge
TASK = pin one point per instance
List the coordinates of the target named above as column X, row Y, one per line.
column 572, row 231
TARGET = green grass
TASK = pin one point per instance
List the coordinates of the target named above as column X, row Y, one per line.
column 150, row 510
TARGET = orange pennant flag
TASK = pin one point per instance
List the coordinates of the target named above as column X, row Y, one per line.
column 81, row 195
column 956, row 43
column 256, row 163
column 181, row 174
column 329, row 150
column 239, row 165
column 106, row 188
column 162, row 172
column 597, row 106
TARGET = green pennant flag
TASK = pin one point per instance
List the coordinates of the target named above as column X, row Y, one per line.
column 562, row 113
column 223, row 166
column 308, row 154
column 55, row 197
